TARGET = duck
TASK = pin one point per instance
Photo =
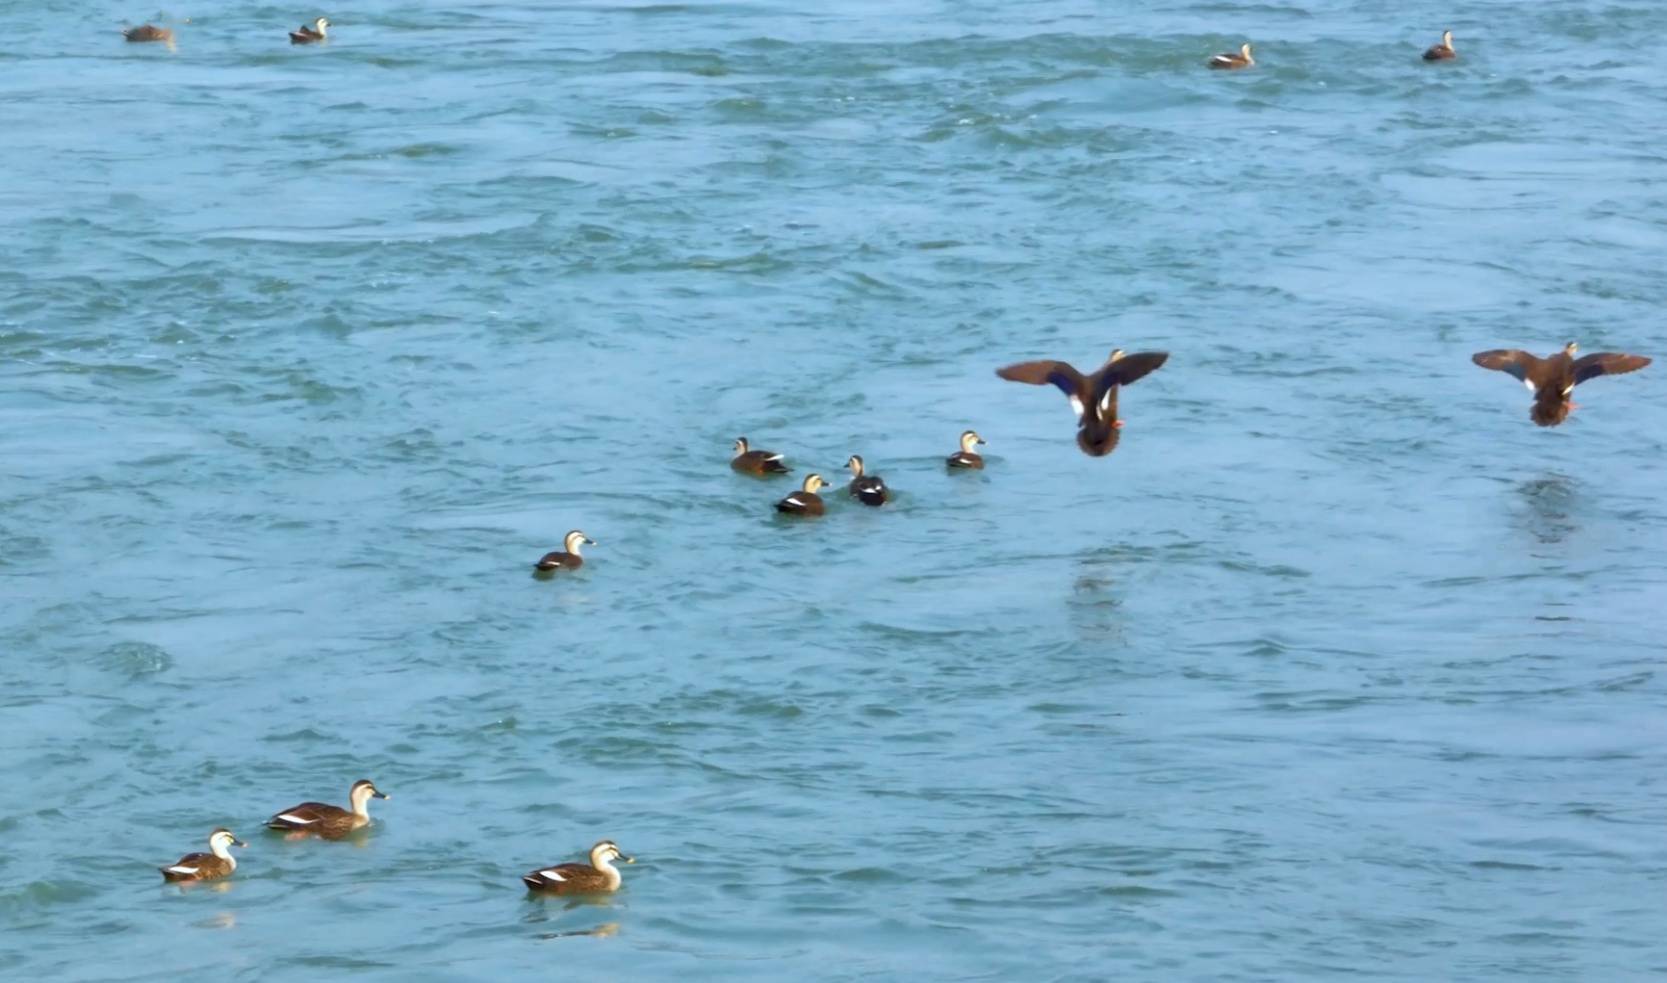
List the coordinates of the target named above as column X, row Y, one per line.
column 1442, row 51
column 148, row 32
column 600, row 876
column 805, row 501
column 313, row 34
column 1093, row 397
column 966, row 457
column 749, row 461
column 1552, row 379
column 569, row 560
column 866, row 488
column 1231, row 60
column 328, row 821
column 218, row 862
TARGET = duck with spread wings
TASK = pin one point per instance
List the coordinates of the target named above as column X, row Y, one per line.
column 1552, row 379
column 1093, row 397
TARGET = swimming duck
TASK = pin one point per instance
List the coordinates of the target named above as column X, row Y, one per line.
column 1093, row 397
column 1442, row 51
column 570, row 560
column 805, row 501
column 749, row 461
column 330, row 822
column 1552, row 379
column 966, row 457
column 867, row 488
column 597, row 877
column 149, row 32
column 216, row 863
column 311, row 35
column 1231, row 60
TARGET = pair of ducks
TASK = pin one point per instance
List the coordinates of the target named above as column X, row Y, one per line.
column 869, row 489
column 320, row 819
column 1094, row 397
column 332, row 822
column 312, row 33
column 1241, row 58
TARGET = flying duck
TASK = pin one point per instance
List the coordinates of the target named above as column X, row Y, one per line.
column 805, row 501
column 600, row 876
column 310, row 35
column 216, row 863
column 1552, row 379
column 1442, row 51
column 570, row 560
column 749, row 461
column 966, row 457
column 149, row 32
column 867, row 488
column 330, row 822
column 1230, row 60
column 1093, row 397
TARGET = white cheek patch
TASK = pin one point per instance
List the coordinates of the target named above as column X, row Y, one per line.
column 292, row 818
column 551, row 875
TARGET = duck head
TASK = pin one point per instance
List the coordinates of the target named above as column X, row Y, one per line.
column 970, row 439
column 222, row 840
column 573, row 540
column 362, row 792
column 605, row 852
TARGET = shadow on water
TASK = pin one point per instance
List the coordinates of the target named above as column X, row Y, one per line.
column 1550, row 503
column 1094, row 603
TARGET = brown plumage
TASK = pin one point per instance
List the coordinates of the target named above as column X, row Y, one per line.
column 328, row 821
column 1233, row 60
column 866, row 488
column 1552, row 379
column 569, row 560
column 310, row 35
column 1093, row 397
column 149, row 32
column 600, row 876
column 805, row 501
column 966, row 457
column 217, row 863
column 1442, row 51
column 749, row 461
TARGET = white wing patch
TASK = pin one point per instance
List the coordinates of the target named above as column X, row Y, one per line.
column 1529, row 383
column 1076, row 405
column 181, row 869
column 1105, row 401
column 290, row 817
column 773, row 457
column 551, row 875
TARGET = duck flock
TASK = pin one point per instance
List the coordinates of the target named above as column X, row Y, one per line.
column 1093, row 398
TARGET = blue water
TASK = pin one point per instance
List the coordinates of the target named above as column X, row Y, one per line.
column 1338, row 667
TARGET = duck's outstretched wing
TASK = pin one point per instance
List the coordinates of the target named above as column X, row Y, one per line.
column 1517, row 362
column 1131, row 367
column 1051, row 373
column 1607, row 363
